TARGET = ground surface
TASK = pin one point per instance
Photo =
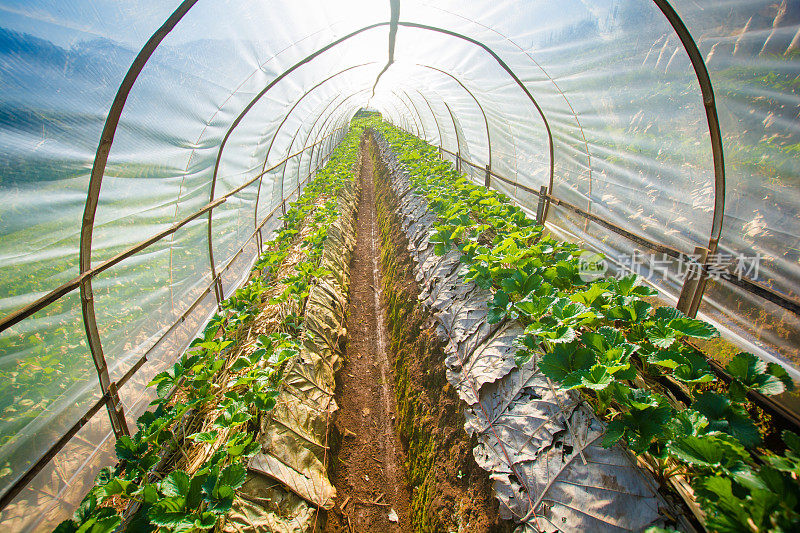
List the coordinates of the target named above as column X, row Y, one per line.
column 369, row 475
column 450, row 491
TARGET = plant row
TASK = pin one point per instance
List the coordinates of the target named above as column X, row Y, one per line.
column 607, row 339
column 215, row 393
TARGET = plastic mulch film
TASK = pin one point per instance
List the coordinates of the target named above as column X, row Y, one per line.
column 59, row 79
column 294, row 437
column 541, row 446
column 608, row 83
column 264, row 505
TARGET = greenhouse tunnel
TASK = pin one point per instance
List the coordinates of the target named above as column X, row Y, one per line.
column 150, row 149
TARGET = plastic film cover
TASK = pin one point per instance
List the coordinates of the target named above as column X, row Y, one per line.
column 608, row 83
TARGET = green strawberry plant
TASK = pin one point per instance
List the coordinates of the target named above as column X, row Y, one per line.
column 598, row 337
column 181, row 501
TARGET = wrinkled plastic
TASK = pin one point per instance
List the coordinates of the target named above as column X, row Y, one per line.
column 294, row 437
column 263, row 505
column 630, row 140
column 541, row 448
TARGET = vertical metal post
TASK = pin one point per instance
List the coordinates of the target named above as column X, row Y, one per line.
column 701, row 286
column 458, row 161
column 542, row 206
column 487, row 179
column 219, row 293
column 692, row 281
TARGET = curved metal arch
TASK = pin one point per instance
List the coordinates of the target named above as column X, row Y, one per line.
column 435, row 120
column 286, row 117
column 394, row 116
column 419, row 115
column 521, row 85
column 291, row 144
column 324, row 122
column 316, row 137
column 319, row 134
column 208, row 122
column 403, row 118
column 401, row 115
column 106, row 141
column 399, row 121
column 316, row 144
column 416, row 124
column 325, row 148
column 332, row 114
column 308, row 135
column 707, row 89
column 116, row 414
column 283, row 170
column 320, row 151
column 327, row 47
column 477, row 102
column 340, row 124
column 409, row 121
column 390, row 111
column 414, row 112
column 238, row 120
column 547, row 75
column 340, row 119
column 296, row 133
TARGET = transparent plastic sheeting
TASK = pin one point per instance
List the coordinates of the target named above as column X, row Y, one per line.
column 630, row 139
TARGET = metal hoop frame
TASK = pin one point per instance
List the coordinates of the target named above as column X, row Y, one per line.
column 84, row 282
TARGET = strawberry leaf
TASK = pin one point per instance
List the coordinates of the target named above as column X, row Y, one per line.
column 691, row 327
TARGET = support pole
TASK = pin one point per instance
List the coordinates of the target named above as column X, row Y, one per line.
column 541, row 208
column 695, row 277
column 701, row 288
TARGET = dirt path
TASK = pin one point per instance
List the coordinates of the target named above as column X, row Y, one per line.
column 369, row 474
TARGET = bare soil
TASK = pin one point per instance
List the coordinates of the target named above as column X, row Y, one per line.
column 450, row 492
column 369, row 469
column 402, row 449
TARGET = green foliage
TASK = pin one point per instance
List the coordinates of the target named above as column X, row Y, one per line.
column 181, row 502
column 749, row 373
column 728, row 416
column 567, row 363
column 91, row 517
column 597, row 336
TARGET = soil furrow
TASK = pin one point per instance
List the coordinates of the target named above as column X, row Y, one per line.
column 372, row 493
